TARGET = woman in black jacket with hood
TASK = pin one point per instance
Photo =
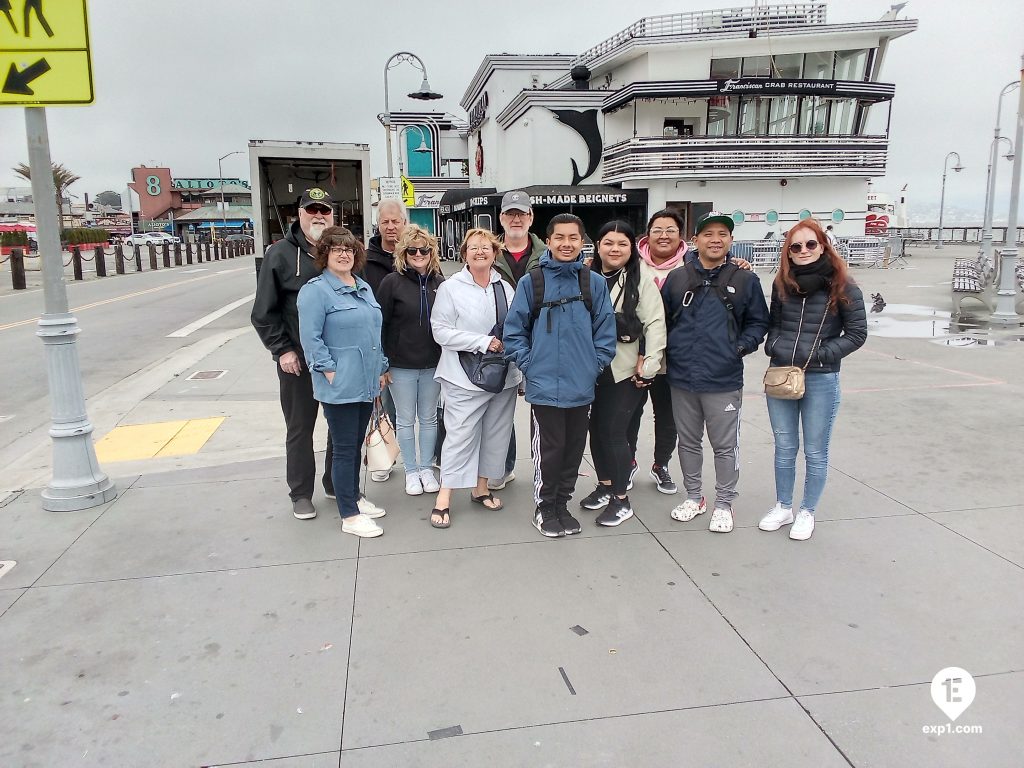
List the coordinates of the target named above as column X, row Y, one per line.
column 817, row 319
column 406, row 298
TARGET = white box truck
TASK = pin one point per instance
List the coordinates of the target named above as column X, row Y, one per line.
column 282, row 170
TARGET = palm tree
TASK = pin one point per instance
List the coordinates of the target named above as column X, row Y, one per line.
column 62, row 179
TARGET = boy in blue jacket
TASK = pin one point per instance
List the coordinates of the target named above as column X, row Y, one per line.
column 560, row 344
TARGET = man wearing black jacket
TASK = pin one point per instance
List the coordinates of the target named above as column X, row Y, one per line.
column 380, row 250
column 287, row 266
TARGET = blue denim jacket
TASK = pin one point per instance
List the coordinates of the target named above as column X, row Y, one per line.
column 339, row 327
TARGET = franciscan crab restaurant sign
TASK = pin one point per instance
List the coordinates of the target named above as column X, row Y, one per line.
column 763, row 85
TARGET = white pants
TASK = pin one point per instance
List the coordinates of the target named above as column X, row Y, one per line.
column 477, row 430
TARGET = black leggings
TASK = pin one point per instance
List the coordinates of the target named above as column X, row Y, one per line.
column 610, row 417
column 664, row 423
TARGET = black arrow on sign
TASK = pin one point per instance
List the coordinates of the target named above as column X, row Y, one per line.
column 17, row 82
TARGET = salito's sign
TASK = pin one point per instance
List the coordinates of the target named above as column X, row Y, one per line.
column 207, row 183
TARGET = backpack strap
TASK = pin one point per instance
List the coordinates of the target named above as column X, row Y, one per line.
column 537, row 281
column 728, row 276
column 588, row 300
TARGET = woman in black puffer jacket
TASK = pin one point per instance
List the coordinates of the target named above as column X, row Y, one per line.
column 817, row 318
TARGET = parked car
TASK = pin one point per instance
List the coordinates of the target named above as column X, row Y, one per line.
column 239, row 238
column 156, row 238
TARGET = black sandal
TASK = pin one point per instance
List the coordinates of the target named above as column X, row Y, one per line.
column 444, row 515
column 489, row 497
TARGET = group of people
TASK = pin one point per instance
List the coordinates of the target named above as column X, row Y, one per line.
column 585, row 343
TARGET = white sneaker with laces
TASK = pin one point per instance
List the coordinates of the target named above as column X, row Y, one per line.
column 499, row 484
column 362, row 526
column 430, row 484
column 368, row 508
column 413, row 484
column 777, row 517
column 803, row 526
column 721, row 520
column 380, row 476
column 688, row 510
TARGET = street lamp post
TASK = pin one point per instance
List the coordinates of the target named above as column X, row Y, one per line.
column 942, row 199
column 1006, row 312
column 423, row 94
column 422, row 149
column 220, row 176
column 990, row 181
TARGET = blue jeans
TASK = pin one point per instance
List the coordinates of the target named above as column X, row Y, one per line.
column 416, row 395
column 817, row 411
column 348, row 424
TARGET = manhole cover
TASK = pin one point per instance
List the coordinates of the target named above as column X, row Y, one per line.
column 205, row 375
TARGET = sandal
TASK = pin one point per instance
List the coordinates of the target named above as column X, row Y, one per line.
column 443, row 518
column 482, row 501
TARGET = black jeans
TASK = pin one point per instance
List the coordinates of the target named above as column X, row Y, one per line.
column 300, row 413
column 559, row 436
column 348, row 424
column 664, row 423
column 610, row 419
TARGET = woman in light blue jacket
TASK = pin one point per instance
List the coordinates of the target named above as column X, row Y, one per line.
column 339, row 327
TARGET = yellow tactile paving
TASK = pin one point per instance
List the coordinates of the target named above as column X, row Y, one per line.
column 166, row 438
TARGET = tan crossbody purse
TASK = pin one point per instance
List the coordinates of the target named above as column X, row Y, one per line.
column 786, row 382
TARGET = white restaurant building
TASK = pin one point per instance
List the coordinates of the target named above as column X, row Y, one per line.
column 767, row 111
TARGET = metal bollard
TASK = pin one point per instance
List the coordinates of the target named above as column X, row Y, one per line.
column 138, row 257
column 76, row 262
column 100, row 257
column 119, row 259
column 152, row 257
column 17, row 269
column 216, row 251
column 206, row 247
column 166, row 249
column 188, row 253
column 177, row 254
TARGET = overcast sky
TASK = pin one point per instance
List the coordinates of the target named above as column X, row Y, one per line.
column 179, row 84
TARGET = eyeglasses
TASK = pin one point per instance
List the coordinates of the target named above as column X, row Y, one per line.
column 478, row 249
column 811, row 245
column 515, row 214
column 414, row 251
column 315, row 209
column 339, row 250
column 659, row 232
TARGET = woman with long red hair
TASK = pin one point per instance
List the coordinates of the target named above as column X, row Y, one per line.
column 817, row 319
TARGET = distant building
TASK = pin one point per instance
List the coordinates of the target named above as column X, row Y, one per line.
column 187, row 206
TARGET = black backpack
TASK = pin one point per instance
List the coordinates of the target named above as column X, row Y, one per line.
column 536, row 276
column 729, row 276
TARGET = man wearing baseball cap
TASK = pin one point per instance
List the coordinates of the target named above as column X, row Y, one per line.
column 716, row 314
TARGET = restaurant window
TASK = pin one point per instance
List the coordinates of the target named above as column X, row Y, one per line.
column 788, row 66
column 841, row 122
column 783, row 114
column 725, row 69
column 753, row 116
column 819, row 66
column 813, row 116
column 850, row 65
column 757, row 66
column 676, row 127
column 721, row 116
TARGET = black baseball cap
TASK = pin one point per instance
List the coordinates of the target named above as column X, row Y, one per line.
column 316, row 196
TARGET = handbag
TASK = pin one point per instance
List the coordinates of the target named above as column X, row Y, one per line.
column 627, row 331
column 488, row 370
column 786, row 382
column 381, row 441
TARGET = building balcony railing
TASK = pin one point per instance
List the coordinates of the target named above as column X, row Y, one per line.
column 748, row 157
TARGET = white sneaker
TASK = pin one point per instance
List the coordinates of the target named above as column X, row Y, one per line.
column 497, row 485
column 380, row 476
column 777, row 517
column 362, row 526
column 803, row 526
column 413, row 484
column 688, row 510
column 430, row 484
column 368, row 508
column 721, row 520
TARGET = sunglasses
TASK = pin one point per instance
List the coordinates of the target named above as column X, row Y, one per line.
column 315, row 209
column 414, row 251
column 811, row 245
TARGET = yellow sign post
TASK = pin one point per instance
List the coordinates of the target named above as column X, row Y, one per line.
column 44, row 53
column 408, row 193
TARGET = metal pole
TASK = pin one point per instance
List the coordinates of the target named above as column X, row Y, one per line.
column 223, row 210
column 942, row 198
column 77, row 482
column 387, row 117
column 1006, row 311
column 990, row 187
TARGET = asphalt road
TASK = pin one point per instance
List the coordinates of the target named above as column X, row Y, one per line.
column 124, row 321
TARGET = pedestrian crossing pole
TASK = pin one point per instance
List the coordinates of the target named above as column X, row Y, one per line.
column 77, row 482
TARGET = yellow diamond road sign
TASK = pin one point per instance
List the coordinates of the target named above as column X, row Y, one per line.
column 408, row 190
column 44, row 53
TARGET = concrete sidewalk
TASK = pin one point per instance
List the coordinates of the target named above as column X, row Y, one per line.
column 194, row 622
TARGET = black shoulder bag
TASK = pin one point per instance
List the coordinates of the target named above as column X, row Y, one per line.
column 488, row 370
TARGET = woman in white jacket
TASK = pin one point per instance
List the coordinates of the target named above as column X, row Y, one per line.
column 477, row 423
column 640, row 330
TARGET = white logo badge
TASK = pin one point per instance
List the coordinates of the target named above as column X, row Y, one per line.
column 953, row 691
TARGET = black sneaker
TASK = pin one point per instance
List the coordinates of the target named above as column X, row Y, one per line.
column 569, row 523
column 632, row 473
column 546, row 521
column 618, row 511
column 661, row 476
column 598, row 499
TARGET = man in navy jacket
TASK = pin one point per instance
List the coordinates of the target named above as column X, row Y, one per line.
column 560, row 347
column 716, row 315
